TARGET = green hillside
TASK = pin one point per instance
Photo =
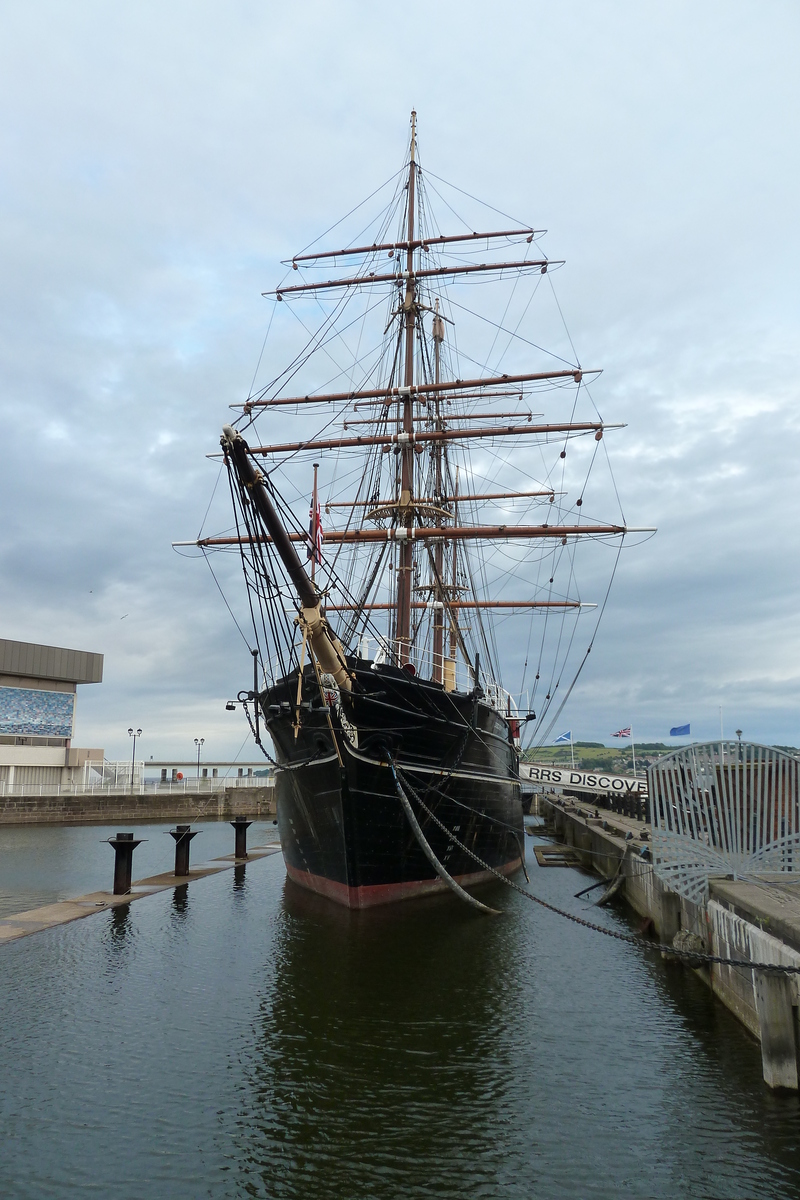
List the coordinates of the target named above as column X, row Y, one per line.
column 594, row 756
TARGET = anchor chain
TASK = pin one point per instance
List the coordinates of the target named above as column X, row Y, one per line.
column 692, row 956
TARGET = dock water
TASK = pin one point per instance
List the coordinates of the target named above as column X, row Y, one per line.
column 757, row 921
column 241, row 1037
column 63, row 912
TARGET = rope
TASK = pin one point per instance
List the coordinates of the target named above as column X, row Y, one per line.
column 691, row 956
column 427, row 850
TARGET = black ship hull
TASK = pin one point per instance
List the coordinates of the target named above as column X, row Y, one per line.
column 343, row 829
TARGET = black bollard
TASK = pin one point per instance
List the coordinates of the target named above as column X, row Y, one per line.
column 183, row 835
column 241, row 826
column 124, row 846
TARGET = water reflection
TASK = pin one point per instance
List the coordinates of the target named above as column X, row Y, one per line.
column 239, row 879
column 381, row 1044
column 180, row 900
column 120, row 923
column 118, row 942
column 720, row 1042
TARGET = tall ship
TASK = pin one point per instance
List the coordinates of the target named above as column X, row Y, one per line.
column 406, row 527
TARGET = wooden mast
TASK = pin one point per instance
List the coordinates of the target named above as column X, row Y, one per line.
column 425, row 533
column 390, row 394
column 438, row 552
column 406, row 514
column 450, row 673
column 431, row 521
column 314, row 531
column 410, row 439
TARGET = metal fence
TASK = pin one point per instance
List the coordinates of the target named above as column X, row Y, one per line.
column 724, row 809
column 97, row 786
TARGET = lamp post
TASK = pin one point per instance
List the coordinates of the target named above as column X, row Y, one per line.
column 134, row 733
column 199, row 742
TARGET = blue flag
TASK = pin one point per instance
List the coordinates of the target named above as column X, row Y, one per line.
column 679, row 731
column 565, row 737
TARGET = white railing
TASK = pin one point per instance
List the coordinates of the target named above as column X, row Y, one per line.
column 378, row 649
column 724, row 809
column 147, row 787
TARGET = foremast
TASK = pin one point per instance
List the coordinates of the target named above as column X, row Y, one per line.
column 406, row 514
column 324, row 644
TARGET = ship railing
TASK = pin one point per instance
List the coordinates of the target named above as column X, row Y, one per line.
column 378, row 649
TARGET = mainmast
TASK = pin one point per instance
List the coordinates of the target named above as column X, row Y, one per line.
column 448, row 410
column 406, row 513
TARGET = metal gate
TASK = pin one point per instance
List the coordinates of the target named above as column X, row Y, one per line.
column 723, row 809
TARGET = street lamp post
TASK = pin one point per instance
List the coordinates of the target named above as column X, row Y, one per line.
column 134, row 733
column 199, row 742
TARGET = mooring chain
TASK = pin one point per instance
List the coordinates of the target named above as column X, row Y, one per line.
column 631, row 938
column 257, row 740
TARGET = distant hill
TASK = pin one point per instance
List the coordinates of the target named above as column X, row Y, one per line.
column 594, row 756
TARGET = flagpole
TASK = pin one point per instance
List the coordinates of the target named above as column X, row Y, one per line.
column 633, row 748
column 571, row 751
column 314, row 532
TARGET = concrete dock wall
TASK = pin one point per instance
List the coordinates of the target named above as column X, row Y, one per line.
column 95, row 809
column 602, row 846
column 732, row 937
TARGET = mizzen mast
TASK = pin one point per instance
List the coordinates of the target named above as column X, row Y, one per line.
column 439, row 491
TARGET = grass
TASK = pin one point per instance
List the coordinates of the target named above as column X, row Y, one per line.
column 594, row 756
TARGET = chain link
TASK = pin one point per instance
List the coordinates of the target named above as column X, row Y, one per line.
column 691, row 956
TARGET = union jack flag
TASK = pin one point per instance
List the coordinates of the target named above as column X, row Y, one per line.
column 315, row 535
column 623, row 732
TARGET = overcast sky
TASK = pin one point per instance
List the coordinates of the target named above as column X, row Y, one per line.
column 159, row 159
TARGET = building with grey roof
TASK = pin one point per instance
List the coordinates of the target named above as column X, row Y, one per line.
column 38, row 690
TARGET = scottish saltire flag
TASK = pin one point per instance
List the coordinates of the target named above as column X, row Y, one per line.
column 623, row 732
column 315, row 534
column 680, row 731
column 565, row 737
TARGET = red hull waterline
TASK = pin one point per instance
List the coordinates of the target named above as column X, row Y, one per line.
column 387, row 893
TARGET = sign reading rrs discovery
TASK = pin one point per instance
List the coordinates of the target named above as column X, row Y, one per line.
column 588, row 781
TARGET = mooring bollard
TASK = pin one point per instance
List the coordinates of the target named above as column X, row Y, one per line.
column 124, row 846
column 241, row 826
column 183, row 835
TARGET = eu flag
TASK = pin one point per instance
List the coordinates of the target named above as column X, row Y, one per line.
column 679, row 731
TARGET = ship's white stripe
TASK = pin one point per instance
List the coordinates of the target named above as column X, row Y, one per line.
column 410, row 767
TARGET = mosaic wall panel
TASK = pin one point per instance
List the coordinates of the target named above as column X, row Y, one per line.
column 32, row 713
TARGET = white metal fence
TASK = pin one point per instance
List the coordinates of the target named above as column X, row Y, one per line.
column 102, row 779
column 724, row 809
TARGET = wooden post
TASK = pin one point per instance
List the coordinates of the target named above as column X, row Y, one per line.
column 776, row 1019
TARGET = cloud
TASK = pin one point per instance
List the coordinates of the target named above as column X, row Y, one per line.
column 158, row 161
